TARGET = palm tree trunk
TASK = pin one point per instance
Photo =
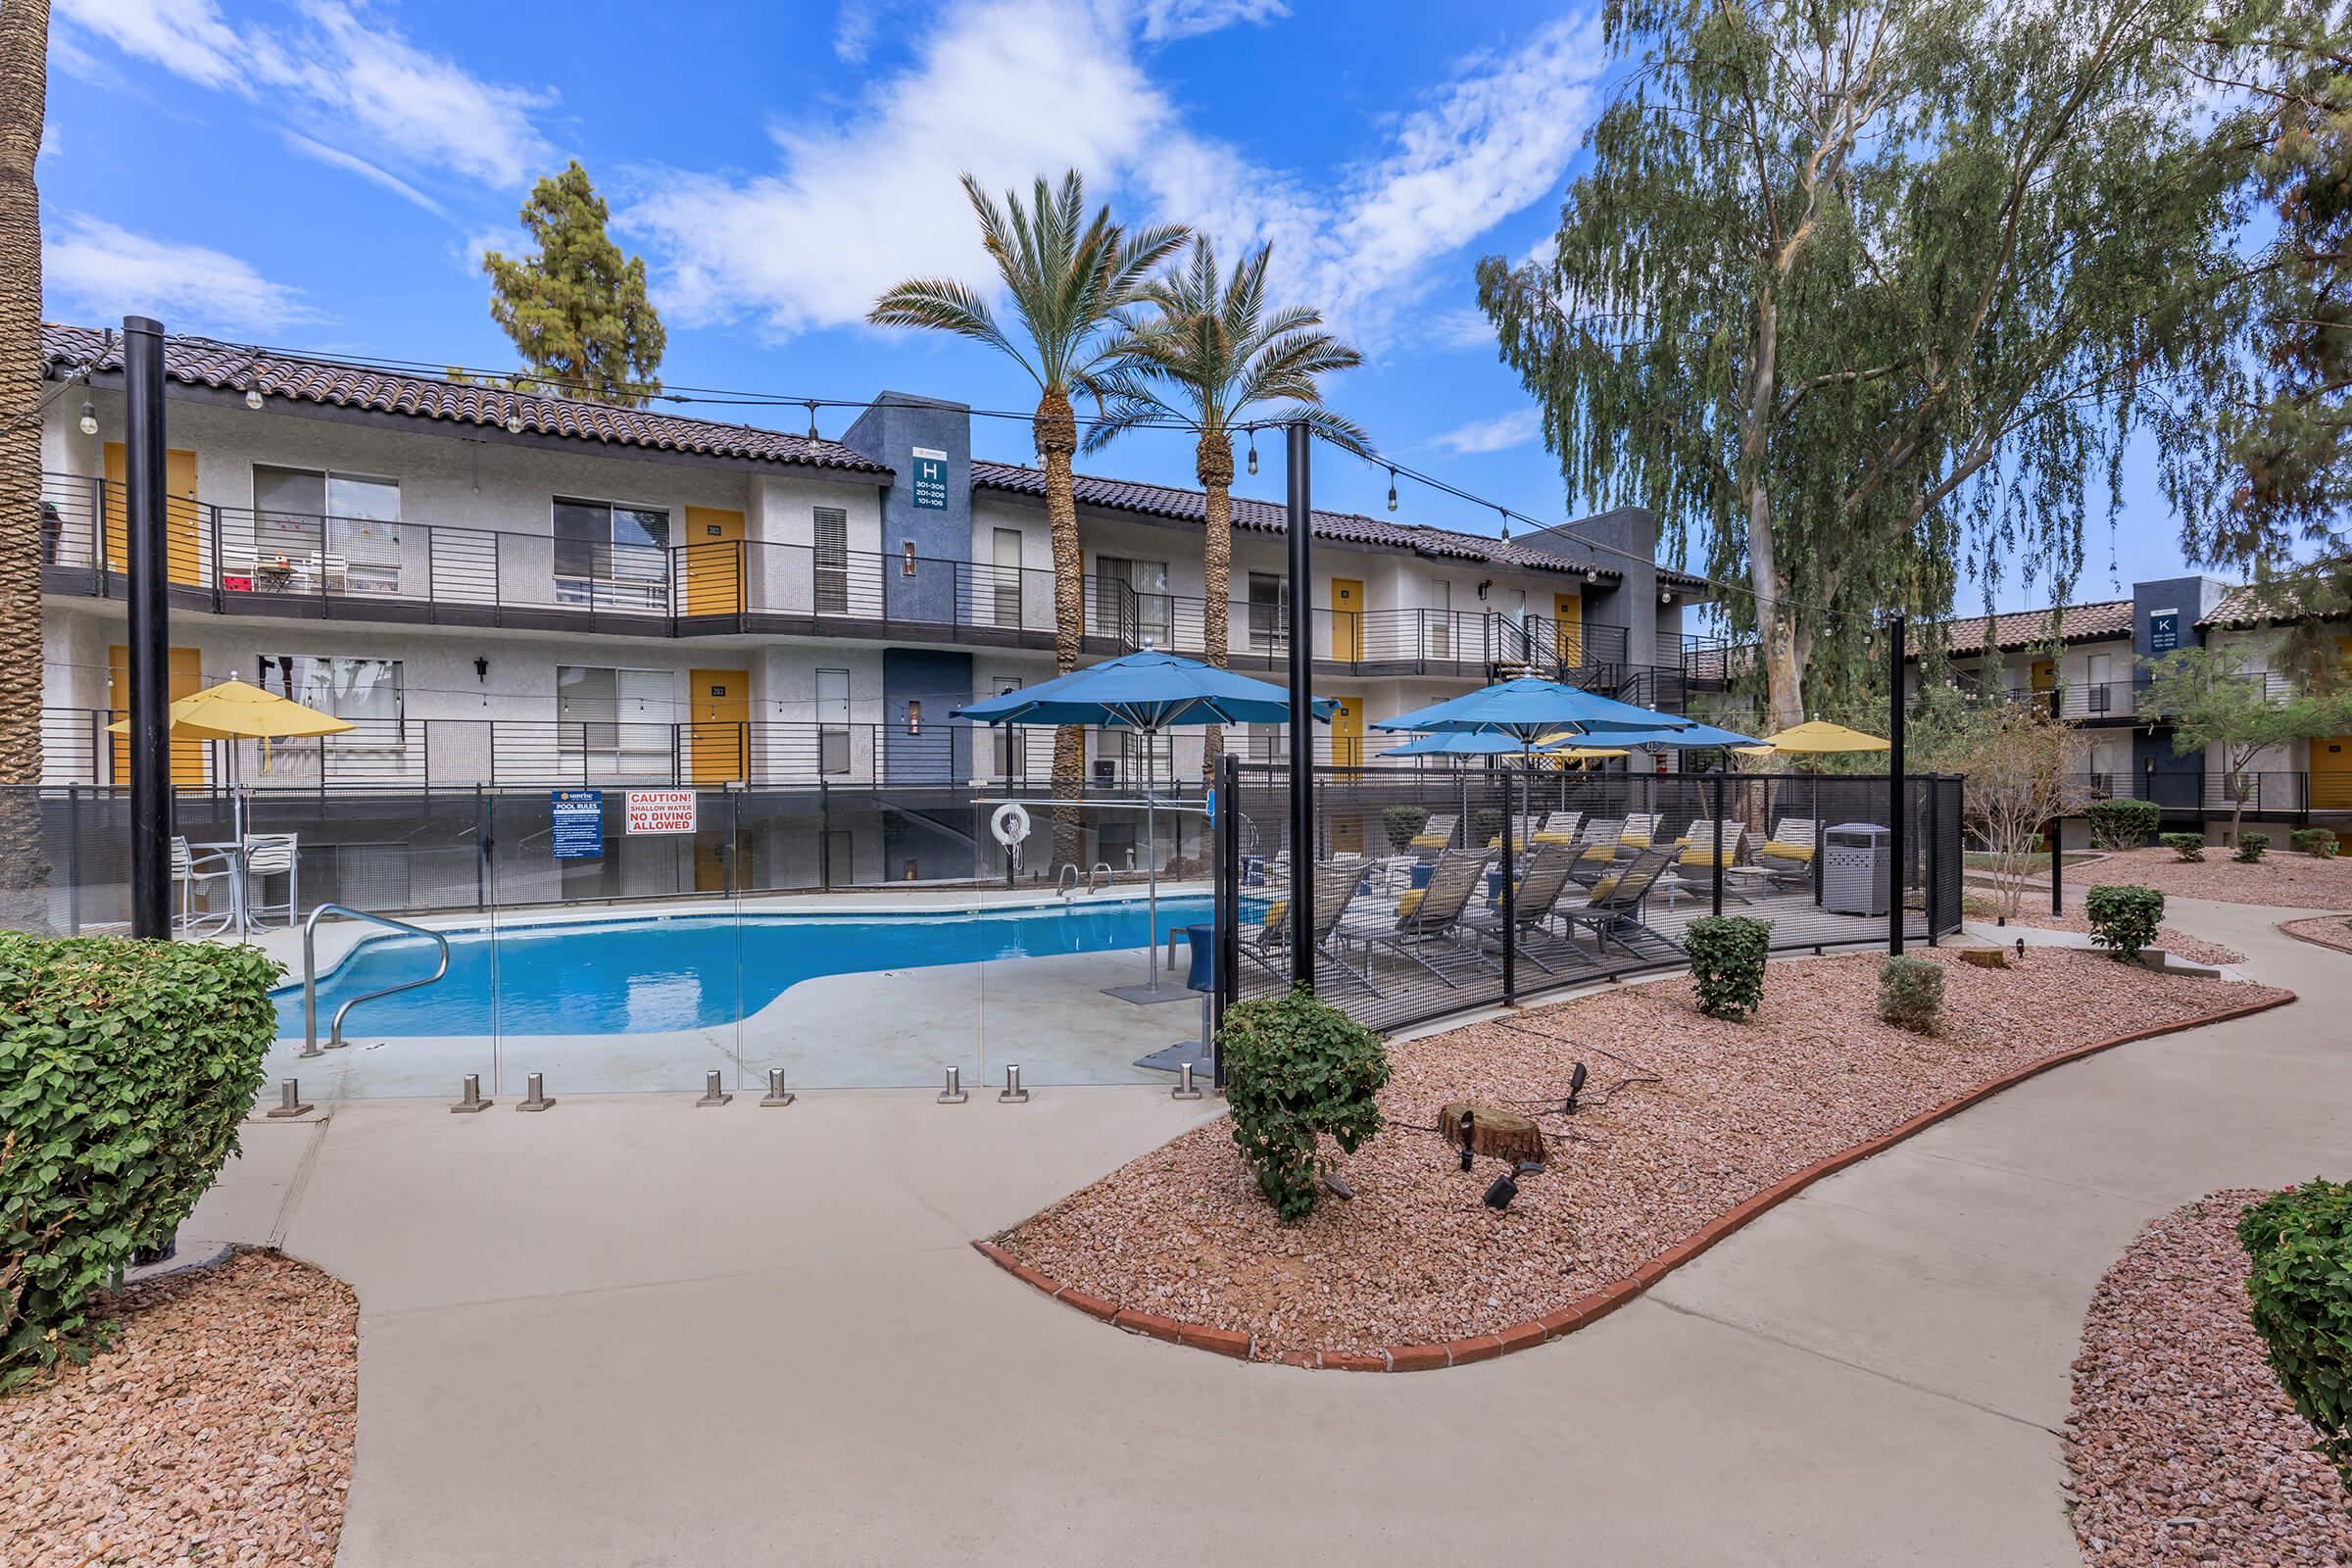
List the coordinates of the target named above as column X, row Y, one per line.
column 1056, row 430
column 1212, row 462
column 23, row 97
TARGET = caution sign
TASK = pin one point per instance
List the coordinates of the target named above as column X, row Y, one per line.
column 659, row 811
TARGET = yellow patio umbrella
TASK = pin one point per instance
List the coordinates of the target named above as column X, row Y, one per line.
column 1585, row 754
column 1816, row 737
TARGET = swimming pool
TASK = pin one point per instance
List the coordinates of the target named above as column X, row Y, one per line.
column 646, row 975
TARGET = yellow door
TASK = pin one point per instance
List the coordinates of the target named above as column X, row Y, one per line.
column 179, row 513
column 1568, row 627
column 1348, row 733
column 716, row 740
column 2332, row 758
column 2045, row 674
column 187, row 679
column 1346, row 620
column 714, row 562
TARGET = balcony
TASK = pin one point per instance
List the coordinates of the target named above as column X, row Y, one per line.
column 2266, row 793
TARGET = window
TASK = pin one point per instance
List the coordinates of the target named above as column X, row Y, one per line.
column 832, row 722
column 622, row 719
column 1149, row 760
column 1269, row 606
column 366, row 691
column 1132, row 599
column 1008, row 576
column 612, row 556
column 320, row 531
column 832, row 533
column 1265, row 743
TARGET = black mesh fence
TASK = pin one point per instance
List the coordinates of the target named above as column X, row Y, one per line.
column 1413, row 914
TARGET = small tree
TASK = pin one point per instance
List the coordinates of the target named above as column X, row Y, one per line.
column 577, row 311
column 2212, row 700
column 2023, row 770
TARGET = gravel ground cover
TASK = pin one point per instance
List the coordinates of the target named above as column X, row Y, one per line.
column 2328, row 930
column 2183, row 1448
column 2171, row 939
column 1684, row 1117
column 216, row 1429
column 2281, row 878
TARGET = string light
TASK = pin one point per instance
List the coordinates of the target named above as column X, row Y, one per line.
column 1253, row 449
column 1392, row 489
column 814, row 438
column 89, row 418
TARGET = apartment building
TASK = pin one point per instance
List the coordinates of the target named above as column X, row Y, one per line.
column 508, row 591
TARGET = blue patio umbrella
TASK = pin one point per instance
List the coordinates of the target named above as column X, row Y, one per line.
column 1460, row 743
column 1529, row 710
column 1149, row 691
column 1693, row 734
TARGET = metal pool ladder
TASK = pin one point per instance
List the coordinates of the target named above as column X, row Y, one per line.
column 310, row 973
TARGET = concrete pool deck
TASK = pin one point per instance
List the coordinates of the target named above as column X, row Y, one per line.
column 634, row 1332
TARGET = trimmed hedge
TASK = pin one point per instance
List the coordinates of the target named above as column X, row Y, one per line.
column 2124, row 919
column 2250, row 846
column 1296, row 1069
column 2188, row 846
column 2122, row 824
column 1400, row 823
column 1727, row 963
column 125, row 1068
column 1911, row 994
column 2300, row 1242
column 2319, row 841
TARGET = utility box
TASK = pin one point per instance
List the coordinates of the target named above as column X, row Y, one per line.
column 1856, row 858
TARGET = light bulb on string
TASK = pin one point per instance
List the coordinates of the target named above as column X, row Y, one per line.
column 1253, row 449
column 89, row 418
column 1392, row 489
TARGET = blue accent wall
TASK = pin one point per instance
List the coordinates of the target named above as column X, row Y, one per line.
column 941, row 679
column 891, row 431
column 2172, row 780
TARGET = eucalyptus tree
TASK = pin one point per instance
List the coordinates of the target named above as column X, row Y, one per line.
column 1067, row 278
column 1203, row 352
column 1862, row 296
column 24, row 91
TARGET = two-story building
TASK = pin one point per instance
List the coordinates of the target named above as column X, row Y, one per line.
column 502, row 590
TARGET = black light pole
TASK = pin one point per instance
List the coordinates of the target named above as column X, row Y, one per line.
column 1303, row 716
column 1896, row 784
column 149, row 655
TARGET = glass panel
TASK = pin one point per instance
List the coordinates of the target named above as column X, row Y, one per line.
column 364, row 529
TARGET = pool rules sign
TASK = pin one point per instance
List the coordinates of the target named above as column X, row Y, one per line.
column 660, row 811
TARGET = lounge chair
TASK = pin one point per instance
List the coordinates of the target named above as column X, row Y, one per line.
column 1559, row 827
column 1533, row 901
column 1786, row 857
column 1336, row 885
column 1436, row 834
column 1438, row 915
column 1523, row 833
column 1709, row 844
column 1599, row 847
column 1634, row 834
column 1616, row 902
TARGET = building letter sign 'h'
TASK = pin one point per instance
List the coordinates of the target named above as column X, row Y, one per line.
column 930, row 479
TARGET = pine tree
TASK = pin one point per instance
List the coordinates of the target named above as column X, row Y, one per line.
column 577, row 309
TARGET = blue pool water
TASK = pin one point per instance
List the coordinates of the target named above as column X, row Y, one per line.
column 637, row 976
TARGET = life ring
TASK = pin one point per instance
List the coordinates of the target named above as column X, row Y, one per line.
column 1010, row 824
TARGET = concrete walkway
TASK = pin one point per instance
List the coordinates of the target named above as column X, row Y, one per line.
column 630, row 1332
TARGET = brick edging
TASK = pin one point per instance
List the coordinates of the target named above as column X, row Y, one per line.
column 1601, row 1303
column 2287, row 928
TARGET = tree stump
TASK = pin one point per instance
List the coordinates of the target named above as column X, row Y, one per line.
column 1495, row 1133
column 1984, row 958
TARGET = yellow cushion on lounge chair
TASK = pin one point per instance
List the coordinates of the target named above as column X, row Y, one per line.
column 1699, row 856
column 1410, row 902
column 1275, row 911
column 1634, row 840
column 1601, row 851
column 1431, row 840
column 1791, row 852
column 1555, row 838
column 1495, row 843
column 1600, row 889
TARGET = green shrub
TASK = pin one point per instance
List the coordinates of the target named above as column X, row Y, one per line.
column 1296, row 1068
column 1486, row 825
column 2300, row 1242
column 1911, row 994
column 2319, row 841
column 1401, row 822
column 2188, row 846
column 1727, row 963
column 125, row 1068
column 2124, row 919
column 2250, row 846
column 2122, row 824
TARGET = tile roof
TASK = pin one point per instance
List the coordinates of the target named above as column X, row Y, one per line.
column 201, row 361
column 2250, row 605
column 1267, row 516
column 2029, row 628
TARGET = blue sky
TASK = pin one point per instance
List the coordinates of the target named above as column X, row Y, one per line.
column 326, row 175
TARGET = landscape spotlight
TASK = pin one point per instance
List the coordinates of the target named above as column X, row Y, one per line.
column 1576, row 1087
column 1500, row 1195
column 1469, row 1126
column 89, row 418
column 2021, row 950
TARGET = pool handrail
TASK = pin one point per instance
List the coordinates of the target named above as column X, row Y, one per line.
column 1103, row 870
column 310, row 973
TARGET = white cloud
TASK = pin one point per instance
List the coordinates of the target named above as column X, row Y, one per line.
column 1164, row 19
column 348, row 77
column 863, row 200
column 1497, row 434
column 337, row 158
column 1464, row 328
column 93, row 270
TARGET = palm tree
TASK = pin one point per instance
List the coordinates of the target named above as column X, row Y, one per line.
column 1208, row 354
column 1069, row 279
column 24, row 94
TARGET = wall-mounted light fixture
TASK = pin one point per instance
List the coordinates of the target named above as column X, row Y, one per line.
column 1484, row 586
column 481, row 670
